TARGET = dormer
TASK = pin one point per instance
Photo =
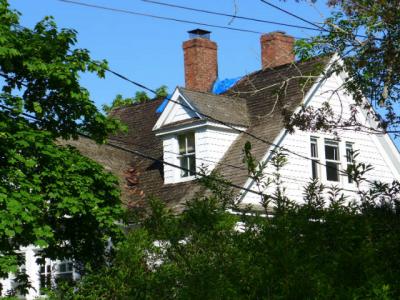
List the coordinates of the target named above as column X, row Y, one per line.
column 192, row 138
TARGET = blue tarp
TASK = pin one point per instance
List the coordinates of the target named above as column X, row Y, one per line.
column 221, row 86
column 163, row 104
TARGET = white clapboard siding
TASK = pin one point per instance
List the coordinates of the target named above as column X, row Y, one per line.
column 297, row 172
column 179, row 113
column 211, row 145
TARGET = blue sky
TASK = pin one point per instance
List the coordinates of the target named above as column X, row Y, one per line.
column 150, row 51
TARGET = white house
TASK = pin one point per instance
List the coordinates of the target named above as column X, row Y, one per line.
column 196, row 128
column 200, row 129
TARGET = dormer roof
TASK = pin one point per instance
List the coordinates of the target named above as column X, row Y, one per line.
column 200, row 107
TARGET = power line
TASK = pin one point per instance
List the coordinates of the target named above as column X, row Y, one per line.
column 229, row 15
column 146, row 156
column 177, row 154
column 221, row 122
column 229, row 125
column 309, row 22
column 289, row 178
column 214, row 119
column 179, row 103
column 294, row 15
column 149, row 157
column 131, row 12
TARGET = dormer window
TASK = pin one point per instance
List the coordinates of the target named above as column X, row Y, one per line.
column 187, row 155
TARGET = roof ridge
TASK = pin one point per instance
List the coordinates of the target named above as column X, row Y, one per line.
column 212, row 94
column 278, row 68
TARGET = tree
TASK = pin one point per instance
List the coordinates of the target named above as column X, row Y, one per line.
column 320, row 249
column 50, row 195
column 140, row 97
column 366, row 37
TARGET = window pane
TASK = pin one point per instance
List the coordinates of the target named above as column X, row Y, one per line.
column 70, row 267
column 314, row 169
column 182, row 144
column 349, row 169
column 349, row 154
column 184, row 165
column 331, row 152
column 190, row 142
column 192, row 164
column 63, row 267
column 332, row 172
column 314, row 151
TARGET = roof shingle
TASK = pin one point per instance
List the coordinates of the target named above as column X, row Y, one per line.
column 267, row 94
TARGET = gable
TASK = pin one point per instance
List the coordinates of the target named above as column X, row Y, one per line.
column 178, row 109
column 376, row 150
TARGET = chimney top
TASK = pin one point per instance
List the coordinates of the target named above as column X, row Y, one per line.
column 200, row 56
column 199, row 33
column 278, row 31
column 276, row 49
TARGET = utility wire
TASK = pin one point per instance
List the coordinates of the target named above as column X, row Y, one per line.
column 294, row 15
column 289, row 178
column 138, row 153
column 229, row 125
column 216, row 120
column 309, row 22
column 131, row 12
column 229, row 15
column 149, row 157
column 221, row 122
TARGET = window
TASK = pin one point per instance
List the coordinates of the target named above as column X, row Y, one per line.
column 187, row 157
column 314, row 157
column 332, row 160
column 52, row 273
column 65, row 271
column 349, row 160
column 45, row 277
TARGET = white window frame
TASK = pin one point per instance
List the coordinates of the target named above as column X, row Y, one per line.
column 184, row 175
column 349, row 159
column 315, row 159
column 51, row 271
column 320, row 158
column 337, row 161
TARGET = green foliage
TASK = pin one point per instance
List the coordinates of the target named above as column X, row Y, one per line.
column 140, row 97
column 50, row 196
column 41, row 71
column 321, row 249
column 366, row 36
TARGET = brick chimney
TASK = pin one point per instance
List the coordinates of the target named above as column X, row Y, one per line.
column 276, row 49
column 200, row 55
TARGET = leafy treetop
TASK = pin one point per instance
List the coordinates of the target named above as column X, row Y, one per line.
column 120, row 101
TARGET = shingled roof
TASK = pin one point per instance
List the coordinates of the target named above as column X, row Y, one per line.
column 230, row 110
column 267, row 93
